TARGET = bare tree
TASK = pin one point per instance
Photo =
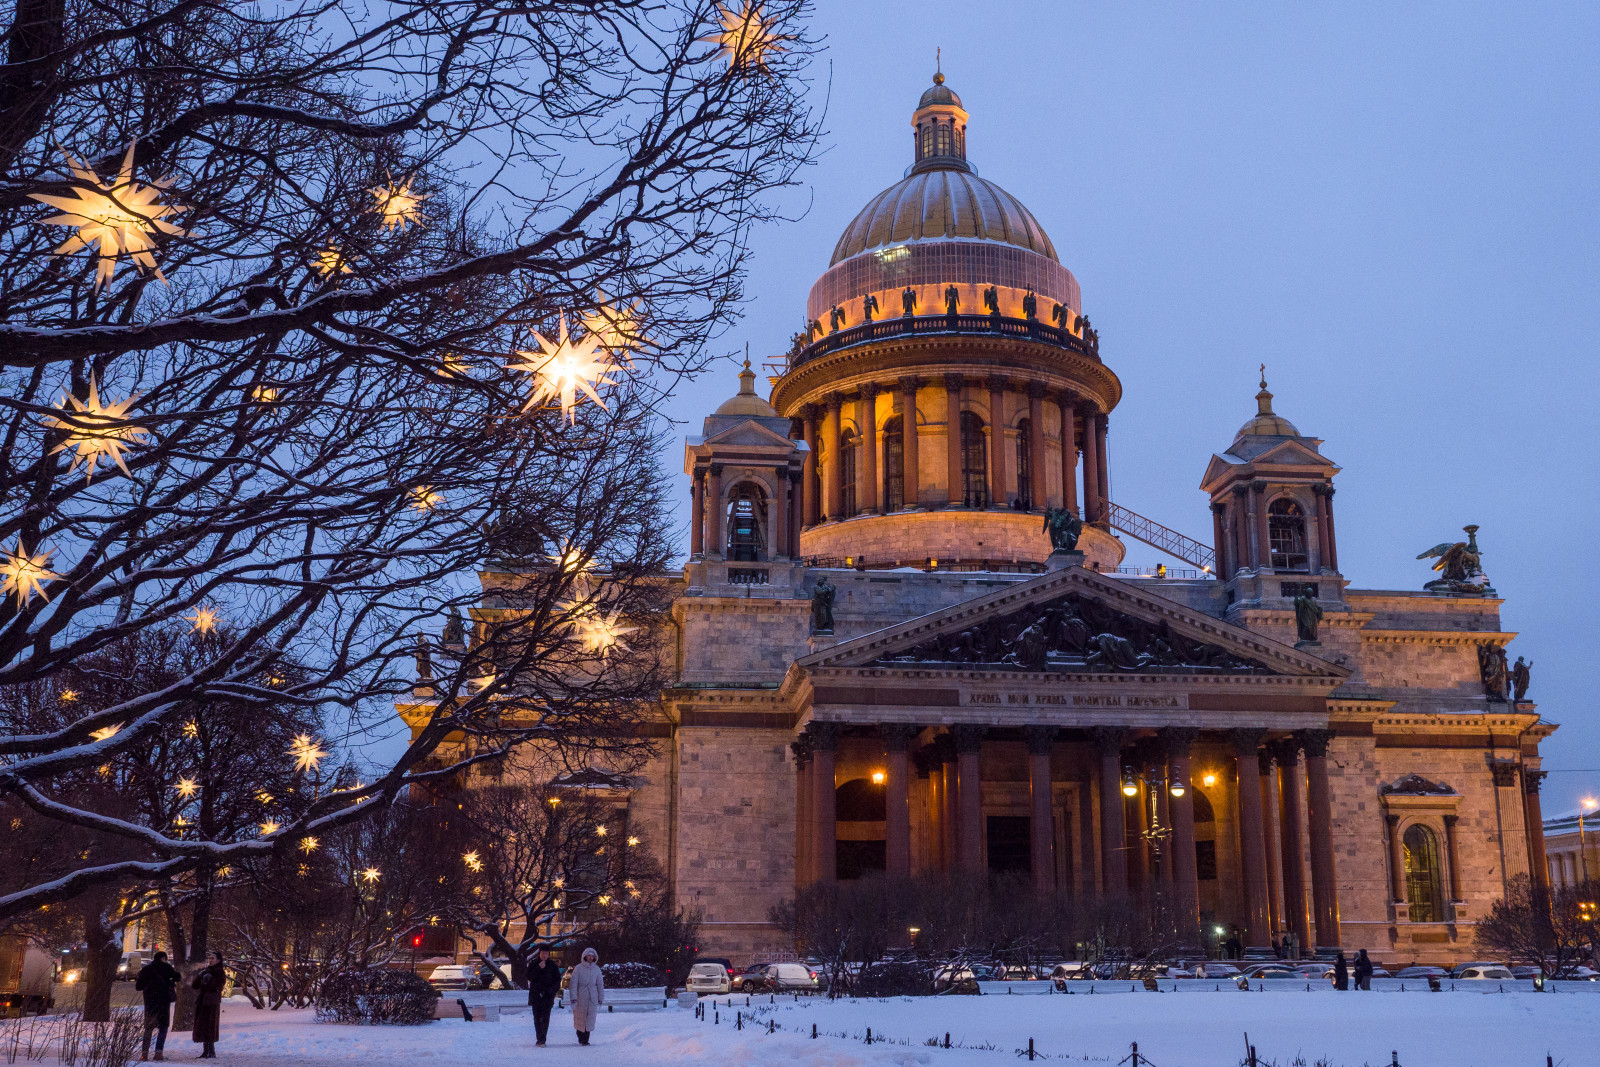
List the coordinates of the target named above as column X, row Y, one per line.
column 1553, row 929
column 329, row 409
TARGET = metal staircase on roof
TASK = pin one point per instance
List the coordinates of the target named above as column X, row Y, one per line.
column 1167, row 540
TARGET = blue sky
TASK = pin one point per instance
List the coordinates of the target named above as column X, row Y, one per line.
column 1392, row 206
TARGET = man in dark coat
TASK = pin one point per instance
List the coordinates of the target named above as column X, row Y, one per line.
column 1363, row 971
column 1341, row 972
column 209, row 983
column 158, row 981
column 544, row 985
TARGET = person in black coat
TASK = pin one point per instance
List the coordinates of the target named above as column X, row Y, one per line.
column 1341, row 972
column 544, row 985
column 209, row 983
column 158, row 981
column 1363, row 971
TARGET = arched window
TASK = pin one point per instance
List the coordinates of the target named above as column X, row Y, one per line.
column 943, row 136
column 747, row 521
column 1423, row 892
column 894, row 464
column 974, row 461
column 927, row 141
column 1286, row 528
column 1025, row 464
column 847, row 472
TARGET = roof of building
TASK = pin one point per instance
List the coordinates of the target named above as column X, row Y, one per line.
column 745, row 401
column 1266, row 423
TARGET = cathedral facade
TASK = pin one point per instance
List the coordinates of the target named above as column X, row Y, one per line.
column 905, row 645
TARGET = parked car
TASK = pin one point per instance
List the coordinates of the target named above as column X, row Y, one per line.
column 1493, row 971
column 959, row 978
column 128, row 967
column 1526, row 972
column 1578, row 973
column 1421, row 972
column 749, row 980
column 1215, row 969
column 710, row 977
column 455, row 976
column 789, row 978
column 1270, row 971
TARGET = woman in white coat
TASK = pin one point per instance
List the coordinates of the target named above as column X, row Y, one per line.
column 588, row 991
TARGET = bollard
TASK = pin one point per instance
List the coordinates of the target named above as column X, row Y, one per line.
column 1030, row 1048
column 1394, row 1059
column 869, row 1035
column 1135, row 1056
column 947, row 1039
column 813, row 1031
column 738, row 1020
column 772, row 1024
column 716, row 1017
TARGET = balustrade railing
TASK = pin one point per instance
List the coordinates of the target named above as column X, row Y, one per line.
column 884, row 329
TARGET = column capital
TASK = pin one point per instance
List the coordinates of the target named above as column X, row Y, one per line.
column 809, row 412
column 897, row 736
column 925, row 760
column 954, row 382
column 1286, row 751
column 996, row 383
column 1451, row 820
column 909, row 383
column 1037, row 390
column 968, row 737
column 1258, row 485
column 833, row 402
column 1531, row 779
column 824, row 736
column 801, row 747
column 1217, row 508
column 1247, row 741
column 1108, row 739
column 1040, row 738
column 1322, row 489
column 1241, row 491
column 1178, row 740
column 1315, row 742
column 716, row 470
column 869, row 390
column 1088, row 409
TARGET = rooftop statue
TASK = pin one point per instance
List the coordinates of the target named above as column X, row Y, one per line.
column 869, row 307
column 991, row 300
column 1030, row 305
column 908, row 301
column 1307, row 614
column 454, row 631
column 1520, row 673
column 1064, row 528
column 1492, row 666
column 1459, row 563
column 822, row 607
column 952, row 300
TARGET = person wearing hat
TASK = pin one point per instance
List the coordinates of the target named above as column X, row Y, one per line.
column 544, row 985
column 588, row 992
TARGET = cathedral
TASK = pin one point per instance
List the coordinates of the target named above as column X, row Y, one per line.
column 906, row 642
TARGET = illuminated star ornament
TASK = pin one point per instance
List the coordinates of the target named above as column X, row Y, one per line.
column 308, row 845
column 187, row 787
column 616, row 328
column 307, row 752
column 398, row 205
column 121, row 218
column 564, row 369
column 97, row 430
column 472, row 861
column 268, row 828
column 24, row 573
column 746, row 36
column 371, row 875
column 425, row 498
column 106, row 732
column 600, row 634
column 330, row 261
column 203, row 621
column 571, row 560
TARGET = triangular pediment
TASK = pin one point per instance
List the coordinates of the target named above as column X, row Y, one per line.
column 750, row 432
column 1075, row 621
column 1293, row 454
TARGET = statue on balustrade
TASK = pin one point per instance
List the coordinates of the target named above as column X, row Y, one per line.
column 1090, row 335
column 1520, row 672
column 814, row 329
column 822, row 607
column 1030, row 305
column 1459, row 565
column 1492, row 666
column 1061, row 315
column 952, row 301
column 869, row 307
column 991, row 300
column 1307, row 614
column 425, row 660
column 454, row 633
column 1064, row 528
column 836, row 318
column 908, row 301
column 797, row 343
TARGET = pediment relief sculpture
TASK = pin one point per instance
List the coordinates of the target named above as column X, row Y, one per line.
column 1075, row 633
column 1415, row 785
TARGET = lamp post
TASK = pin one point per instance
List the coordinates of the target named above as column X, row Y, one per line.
column 1156, row 833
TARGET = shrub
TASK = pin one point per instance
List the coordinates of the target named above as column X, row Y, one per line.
column 376, row 997
column 632, row 976
column 893, row 980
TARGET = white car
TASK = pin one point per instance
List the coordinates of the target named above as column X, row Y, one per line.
column 455, row 976
column 790, row 977
column 709, row 978
column 1486, row 970
column 1215, row 969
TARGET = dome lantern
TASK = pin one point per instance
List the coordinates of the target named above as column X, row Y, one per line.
column 939, row 130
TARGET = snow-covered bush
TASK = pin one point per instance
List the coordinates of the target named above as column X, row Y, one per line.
column 893, row 980
column 632, row 976
column 376, row 997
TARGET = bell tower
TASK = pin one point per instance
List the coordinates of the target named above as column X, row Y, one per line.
column 1272, row 510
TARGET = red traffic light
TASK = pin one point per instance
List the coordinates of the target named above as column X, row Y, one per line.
column 416, row 941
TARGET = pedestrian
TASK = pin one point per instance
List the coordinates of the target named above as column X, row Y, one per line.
column 209, row 983
column 544, row 984
column 1277, row 947
column 588, row 991
column 158, row 981
column 1363, row 971
column 1341, row 972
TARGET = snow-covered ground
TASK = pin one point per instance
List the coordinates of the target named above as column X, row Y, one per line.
column 1194, row 1028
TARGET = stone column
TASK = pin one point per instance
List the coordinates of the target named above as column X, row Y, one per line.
column 697, row 513
column 897, row 799
column 1185, row 873
column 1252, row 850
column 952, row 438
column 1397, row 861
column 1269, row 841
column 935, row 809
column 950, row 793
column 1069, row 452
column 1220, row 540
column 997, row 443
column 1091, row 468
column 1452, row 865
column 1258, row 505
column 1113, row 848
column 716, row 545
column 1291, row 788
column 796, row 512
column 867, row 491
column 1102, row 425
column 1036, row 482
column 1538, row 867
column 1041, row 812
column 1243, row 556
column 777, row 518
column 968, row 740
column 808, row 473
column 1319, row 812
column 908, row 442
column 1332, row 557
column 802, row 810
column 825, row 859
column 832, row 487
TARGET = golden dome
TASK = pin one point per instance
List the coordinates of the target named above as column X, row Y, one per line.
column 745, row 402
column 939, row 205
column 1267, row 423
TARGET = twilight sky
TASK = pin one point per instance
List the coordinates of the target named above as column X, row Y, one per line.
column 1392, row 206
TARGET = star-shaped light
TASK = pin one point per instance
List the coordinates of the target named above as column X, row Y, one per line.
column 746, row 36
column 307, row 752
column 269, row 828
column 473, row 862
column 69, row 695
column 616, row 328
column 632, row 841
column 397, row 204
column 203, row 621
column 564, row 369
column 263, row 796
column 601, row 830
column 25, row 573
column 600, row 634
column 122, row 217
column 605, row 898
column 191, row 729
column 308, row 845
column 187, row 787
column 265, row 394
column 425, row 498
column 97, row 430
column 559, row 882
column 329, row 260
column 371, row 875
column 571, row 560
column 106, row 732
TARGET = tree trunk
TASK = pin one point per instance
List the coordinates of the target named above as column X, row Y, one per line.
column 101, row 969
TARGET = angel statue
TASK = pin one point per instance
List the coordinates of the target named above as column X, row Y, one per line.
column 1459, row 563
column 1064, row 528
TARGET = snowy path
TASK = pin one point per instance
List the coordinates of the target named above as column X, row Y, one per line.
column 1192, row 1029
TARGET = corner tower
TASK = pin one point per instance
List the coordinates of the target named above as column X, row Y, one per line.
column 948, row 386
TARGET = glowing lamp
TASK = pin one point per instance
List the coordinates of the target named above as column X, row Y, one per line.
column 564, row 369
column 98, row 430
column 878, row 777
column 1208, row 779
column 1177, row 789
column 25, row 573
column 1129, row 789
column 121, row 218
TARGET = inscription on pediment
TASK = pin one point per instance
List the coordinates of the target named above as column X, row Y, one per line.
column 1076, row 633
